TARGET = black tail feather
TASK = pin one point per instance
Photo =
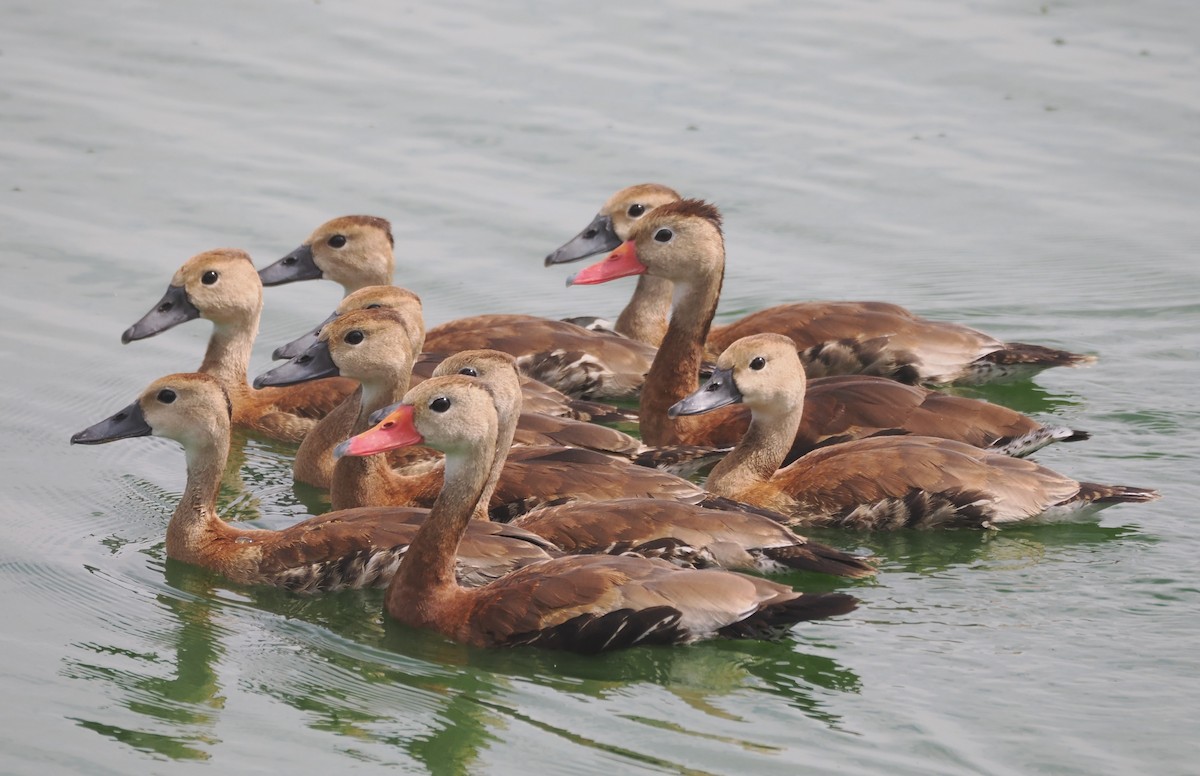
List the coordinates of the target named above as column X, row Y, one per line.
column 591, row 634
column 773, row 621
column 820, row 558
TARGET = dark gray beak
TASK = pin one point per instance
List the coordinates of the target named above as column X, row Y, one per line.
column 597, row 237
column 378, row 415
column 314, row 363
column 302, row 343
column 173, row 309
column 717, row 392
column 129, row 422
column 297, row 265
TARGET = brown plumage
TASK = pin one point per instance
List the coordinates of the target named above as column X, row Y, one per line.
column 848, row 407
column 222, row 286
column 314, row 463
column 577, row 361
column 350, row 548
column 884, row 339
column 581, row 603
column 572, row 359
column 530, row 476
column 687, row 535
column 880, row 483
column 875, row 338
column 840, row 408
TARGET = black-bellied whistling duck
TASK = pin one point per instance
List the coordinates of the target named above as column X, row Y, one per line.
column 575, row 360
column 682, row 242
column 881, row 483
column 397, row 330
column 350, row 548
column 645, row 316
column 223, row 287
column 589, row 603
column 352, row 251
column 686, row 534
column 538, row 397
column 833, row 337
column 532, row 475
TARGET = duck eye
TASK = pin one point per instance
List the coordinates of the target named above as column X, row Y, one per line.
column 664, row 235
column 354, row 337
column 337, row 241
column 636, row 210
column 440, row 404
column 209, row 277
column 166, row 396
column 758, row 362
column 469, row 371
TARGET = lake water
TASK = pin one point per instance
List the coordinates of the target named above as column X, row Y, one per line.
column 1031, row 169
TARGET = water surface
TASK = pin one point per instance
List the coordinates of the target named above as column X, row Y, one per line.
column 1028, row 169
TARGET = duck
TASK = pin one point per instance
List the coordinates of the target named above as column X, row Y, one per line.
column 834, row 337
column 577, row 361
column 686, row 534
column 338, row 550
column 538, row 397
column 397, row 329
column 580, row 603
column 352, row 251
column 883, row 483
column 682, row 242
column 222, row 286
column 374, row 346
column 377, row 346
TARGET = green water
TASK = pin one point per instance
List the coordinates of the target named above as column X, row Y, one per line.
column 1028, row 169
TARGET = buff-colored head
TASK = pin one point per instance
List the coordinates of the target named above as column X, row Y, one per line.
column 680, row 241
column 223, row 286
column 767, row 372
column 190, row 408
column 629, row 205
column 495, row 370
column 613, row 223
column 762, row 371
column 404, row 302
column 219, row 285
column 370, row 346
column 354, row 251
column 452, row 413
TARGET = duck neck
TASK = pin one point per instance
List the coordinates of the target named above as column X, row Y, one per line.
column 676, row 368
column 760, row 452
column 426, row 577
column 228, row 354
column 195, row 522
column 357, row 480
column 508, row 413
column 645, row 317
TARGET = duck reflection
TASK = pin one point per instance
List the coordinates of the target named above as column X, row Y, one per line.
column 177, row 690
column 1020, row 395
column 926, row 552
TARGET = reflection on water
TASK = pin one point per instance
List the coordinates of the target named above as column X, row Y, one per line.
column 1011, row 548
column 1021, row 395
column 338, row 663
column 176, row 689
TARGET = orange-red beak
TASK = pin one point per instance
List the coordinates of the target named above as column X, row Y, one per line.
column 396, row 430
column 621, row 263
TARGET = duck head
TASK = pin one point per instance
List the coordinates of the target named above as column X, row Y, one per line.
column 354, row 251
column 219, row 285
